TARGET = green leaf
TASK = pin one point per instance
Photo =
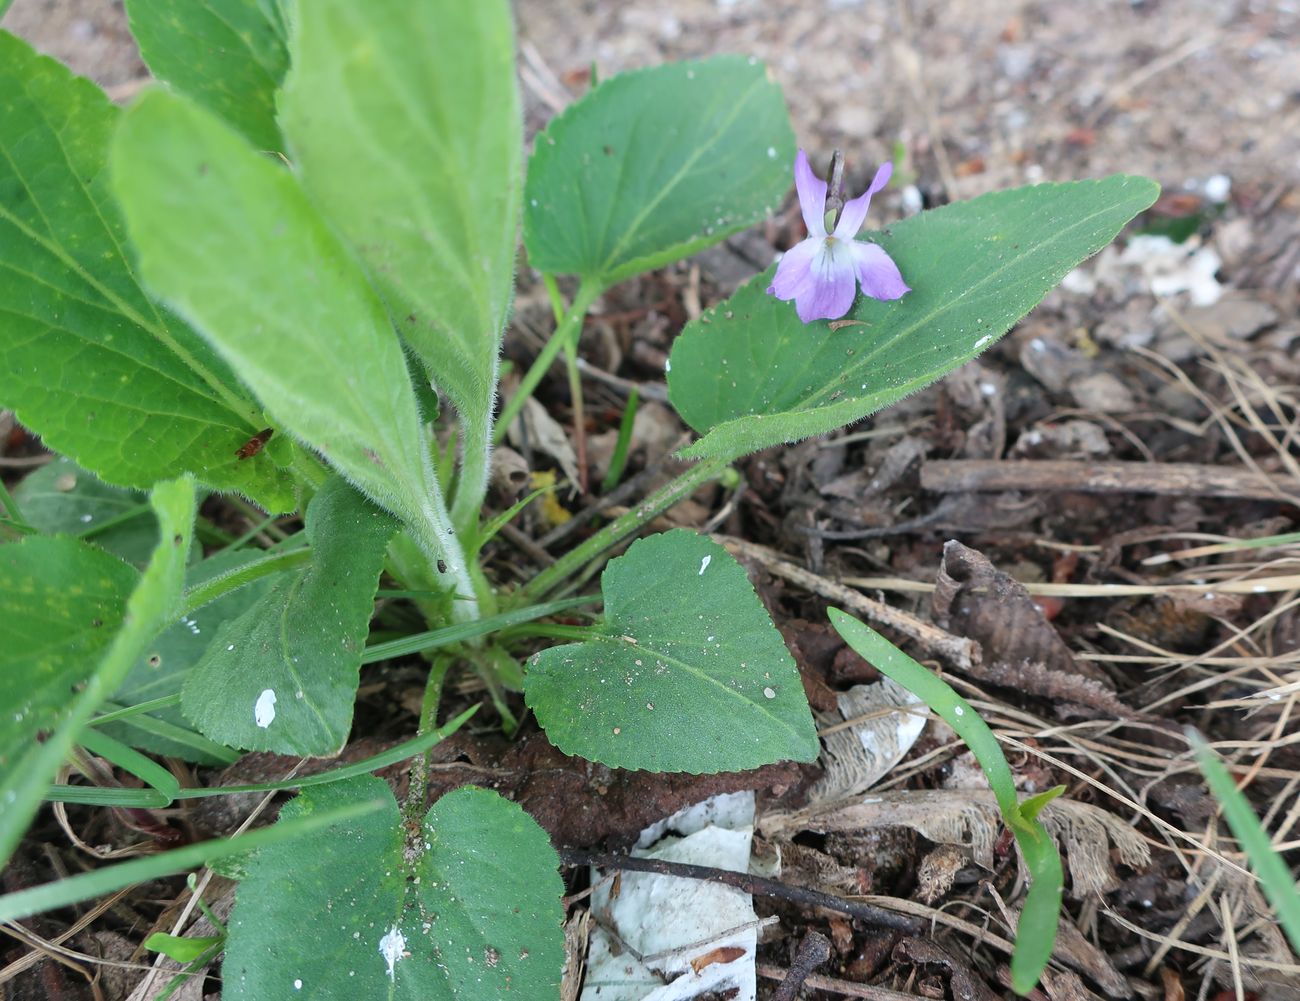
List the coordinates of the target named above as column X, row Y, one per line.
column 181, row 948
column 1275, row 876
column 283, row 675
column 61, row 601
column 45, row 659
column 228, row 237
column 86, row 360
column 229, row 55
column 655, row 165
column 1036, row 930
column 748, row 374
column 61, row 498
column 168, row 660
column 98, row 882
column 689, row 675
column 404, row 121
column 467, row 909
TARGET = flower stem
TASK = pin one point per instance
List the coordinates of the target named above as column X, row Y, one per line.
column 620, row 528
column 566, row 331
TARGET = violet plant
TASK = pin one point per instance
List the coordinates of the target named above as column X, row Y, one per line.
column 283, row 275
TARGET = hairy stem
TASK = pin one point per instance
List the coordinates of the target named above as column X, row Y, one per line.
column 620, row 528
column 475, row 466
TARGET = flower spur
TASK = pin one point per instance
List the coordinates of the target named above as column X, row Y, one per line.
column 822, row 273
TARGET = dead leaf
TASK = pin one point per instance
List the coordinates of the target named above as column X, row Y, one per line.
column 722, row 954
column 858, row 756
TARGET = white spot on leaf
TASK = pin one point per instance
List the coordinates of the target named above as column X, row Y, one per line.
column 392, row 947
column 264, row 710
column 704, row 564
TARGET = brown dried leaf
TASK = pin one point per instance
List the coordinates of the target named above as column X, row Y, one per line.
column 722, row 954
column 1021, row 648
column 962, row 980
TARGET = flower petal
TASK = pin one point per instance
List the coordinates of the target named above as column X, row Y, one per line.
column 812, row 195
column 854, row 213
column 878, row 272
column 832, row 285
column 794, row 273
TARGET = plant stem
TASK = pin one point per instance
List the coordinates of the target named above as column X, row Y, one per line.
column 620, row 528
column 212, row 589
column 418, row 789
column 475, row 467
column 567, row 330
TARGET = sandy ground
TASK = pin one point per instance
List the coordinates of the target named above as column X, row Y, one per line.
column 984, row 95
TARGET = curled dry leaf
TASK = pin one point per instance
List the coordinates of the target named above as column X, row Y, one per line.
column 859, row 756
column 1021, row 648
column 970, row 818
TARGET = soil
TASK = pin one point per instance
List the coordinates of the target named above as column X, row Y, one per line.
column 1203, row 96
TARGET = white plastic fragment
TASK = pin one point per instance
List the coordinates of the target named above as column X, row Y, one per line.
column 672, row 921
column 264, row 709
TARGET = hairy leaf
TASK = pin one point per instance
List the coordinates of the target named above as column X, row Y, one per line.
column 86, row 360
column 283, row 675
column 228, row 237
column 466, row 907
column 689, row 675
column 748, row 374
column 404, row 120
column 655, row 165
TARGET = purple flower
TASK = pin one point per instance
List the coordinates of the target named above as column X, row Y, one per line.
column 822, row 273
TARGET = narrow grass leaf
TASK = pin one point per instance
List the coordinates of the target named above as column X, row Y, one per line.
column 139, row 797
column 100, row 882
column 1036, row 931
column 1275, row 877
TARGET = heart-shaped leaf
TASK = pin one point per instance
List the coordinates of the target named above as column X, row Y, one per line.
column 404, row 121
column 689, row 675
column 229, row 56
column 655, row 165
column 61, row 498
column 466, row 907
column 283, row 675
column 748, row 374
column 105, row 376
